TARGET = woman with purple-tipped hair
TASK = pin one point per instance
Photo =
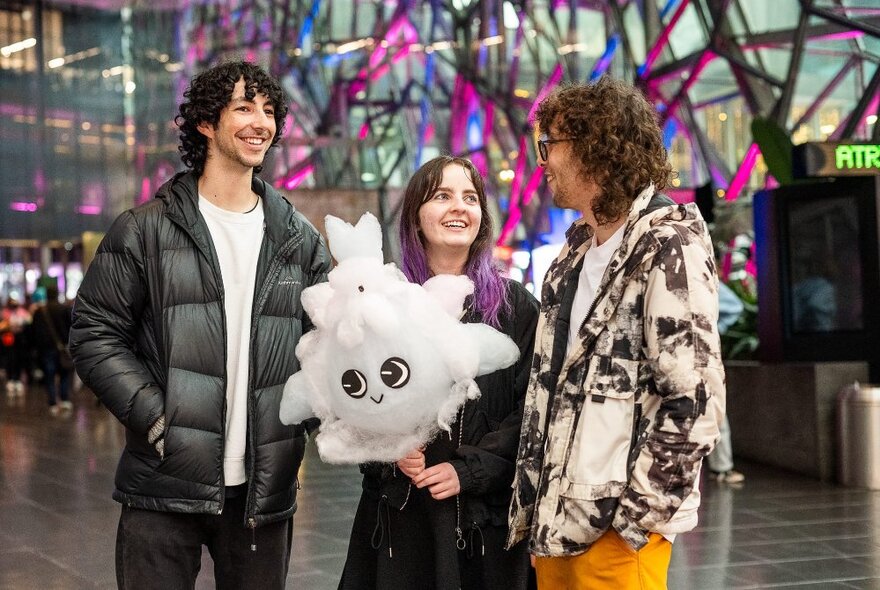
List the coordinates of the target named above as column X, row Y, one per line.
column 437, row 518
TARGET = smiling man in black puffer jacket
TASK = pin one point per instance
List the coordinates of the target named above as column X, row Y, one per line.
column 185, row 328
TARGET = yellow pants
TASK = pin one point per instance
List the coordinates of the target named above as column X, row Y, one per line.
column 609, row 564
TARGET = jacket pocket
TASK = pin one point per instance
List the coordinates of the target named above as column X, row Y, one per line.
column 603, row 435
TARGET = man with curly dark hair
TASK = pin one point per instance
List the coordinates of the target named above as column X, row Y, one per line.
column 627, row 386
column 185, row 328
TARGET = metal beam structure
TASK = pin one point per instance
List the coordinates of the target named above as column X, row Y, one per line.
column 379, row 87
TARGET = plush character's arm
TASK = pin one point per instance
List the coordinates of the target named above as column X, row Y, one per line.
column 449, row 291
column 315, row 300
column 497, row 350
column 295, row 404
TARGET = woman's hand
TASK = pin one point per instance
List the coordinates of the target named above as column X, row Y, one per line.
column 413, row 464
column 441, row 480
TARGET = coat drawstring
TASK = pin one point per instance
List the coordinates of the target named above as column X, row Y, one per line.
column 475, row 528
column 383, row 522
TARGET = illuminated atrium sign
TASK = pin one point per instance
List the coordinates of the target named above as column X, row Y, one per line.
column 836, row 159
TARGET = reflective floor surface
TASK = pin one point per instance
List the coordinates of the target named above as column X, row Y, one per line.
column 58, row 522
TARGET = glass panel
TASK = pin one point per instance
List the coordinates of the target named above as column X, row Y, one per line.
column 825, row 273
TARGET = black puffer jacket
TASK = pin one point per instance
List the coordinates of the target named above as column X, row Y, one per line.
column 149, row 338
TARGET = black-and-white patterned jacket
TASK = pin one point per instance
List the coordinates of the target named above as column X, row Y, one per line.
column 614, row 431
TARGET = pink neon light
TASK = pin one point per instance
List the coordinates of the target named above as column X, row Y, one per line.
column 401, row 27
column 663, row 39
column 463, row 97
column 365, row 130
column 89, row 209
column 361, row 82
column 860, row 128
column 514, row 214
column 743, row 173
column 514, row 211
column 146, row 191
column 680, row 195
column 532, row 186
column 23, row 206
column 297, row 177
column 488, row 121
column 692, row 79
column 554, row 79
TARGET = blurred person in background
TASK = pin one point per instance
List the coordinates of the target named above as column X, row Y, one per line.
column 51, row 330
column 14, row 323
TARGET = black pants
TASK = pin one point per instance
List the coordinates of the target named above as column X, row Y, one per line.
column 164, row 549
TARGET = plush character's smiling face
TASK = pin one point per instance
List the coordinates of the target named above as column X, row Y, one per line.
column 389, row 386
column 394, row 374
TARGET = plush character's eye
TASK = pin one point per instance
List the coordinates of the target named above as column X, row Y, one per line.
column 354, row 383
column 395, row 372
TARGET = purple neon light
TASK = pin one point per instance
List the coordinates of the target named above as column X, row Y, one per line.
column 602, row 64
column 23, row 206
column 743, row 173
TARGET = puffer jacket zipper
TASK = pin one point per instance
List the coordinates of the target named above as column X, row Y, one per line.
column 265, row 289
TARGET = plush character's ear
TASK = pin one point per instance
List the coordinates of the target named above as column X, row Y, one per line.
column 449, row 291
column 363, row 240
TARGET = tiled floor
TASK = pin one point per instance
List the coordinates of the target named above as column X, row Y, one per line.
column 58, row 523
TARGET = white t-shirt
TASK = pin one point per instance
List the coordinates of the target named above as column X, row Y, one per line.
column 237, row 238
column 595, row 262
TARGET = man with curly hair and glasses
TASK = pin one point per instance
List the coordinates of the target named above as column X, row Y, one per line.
column 185, row 327
column 627, row 386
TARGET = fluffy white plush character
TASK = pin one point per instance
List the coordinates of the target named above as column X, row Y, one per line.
column 389, row 363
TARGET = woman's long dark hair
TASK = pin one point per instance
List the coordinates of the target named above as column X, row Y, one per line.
column 490, row 294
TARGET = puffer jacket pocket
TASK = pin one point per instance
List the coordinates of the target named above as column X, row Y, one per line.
column 602, row 437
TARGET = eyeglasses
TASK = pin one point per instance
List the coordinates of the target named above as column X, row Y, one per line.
column 544, row 142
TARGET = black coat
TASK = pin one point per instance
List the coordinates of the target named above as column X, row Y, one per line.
column 149, row 338
column 42, row 336
column 402, row 538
